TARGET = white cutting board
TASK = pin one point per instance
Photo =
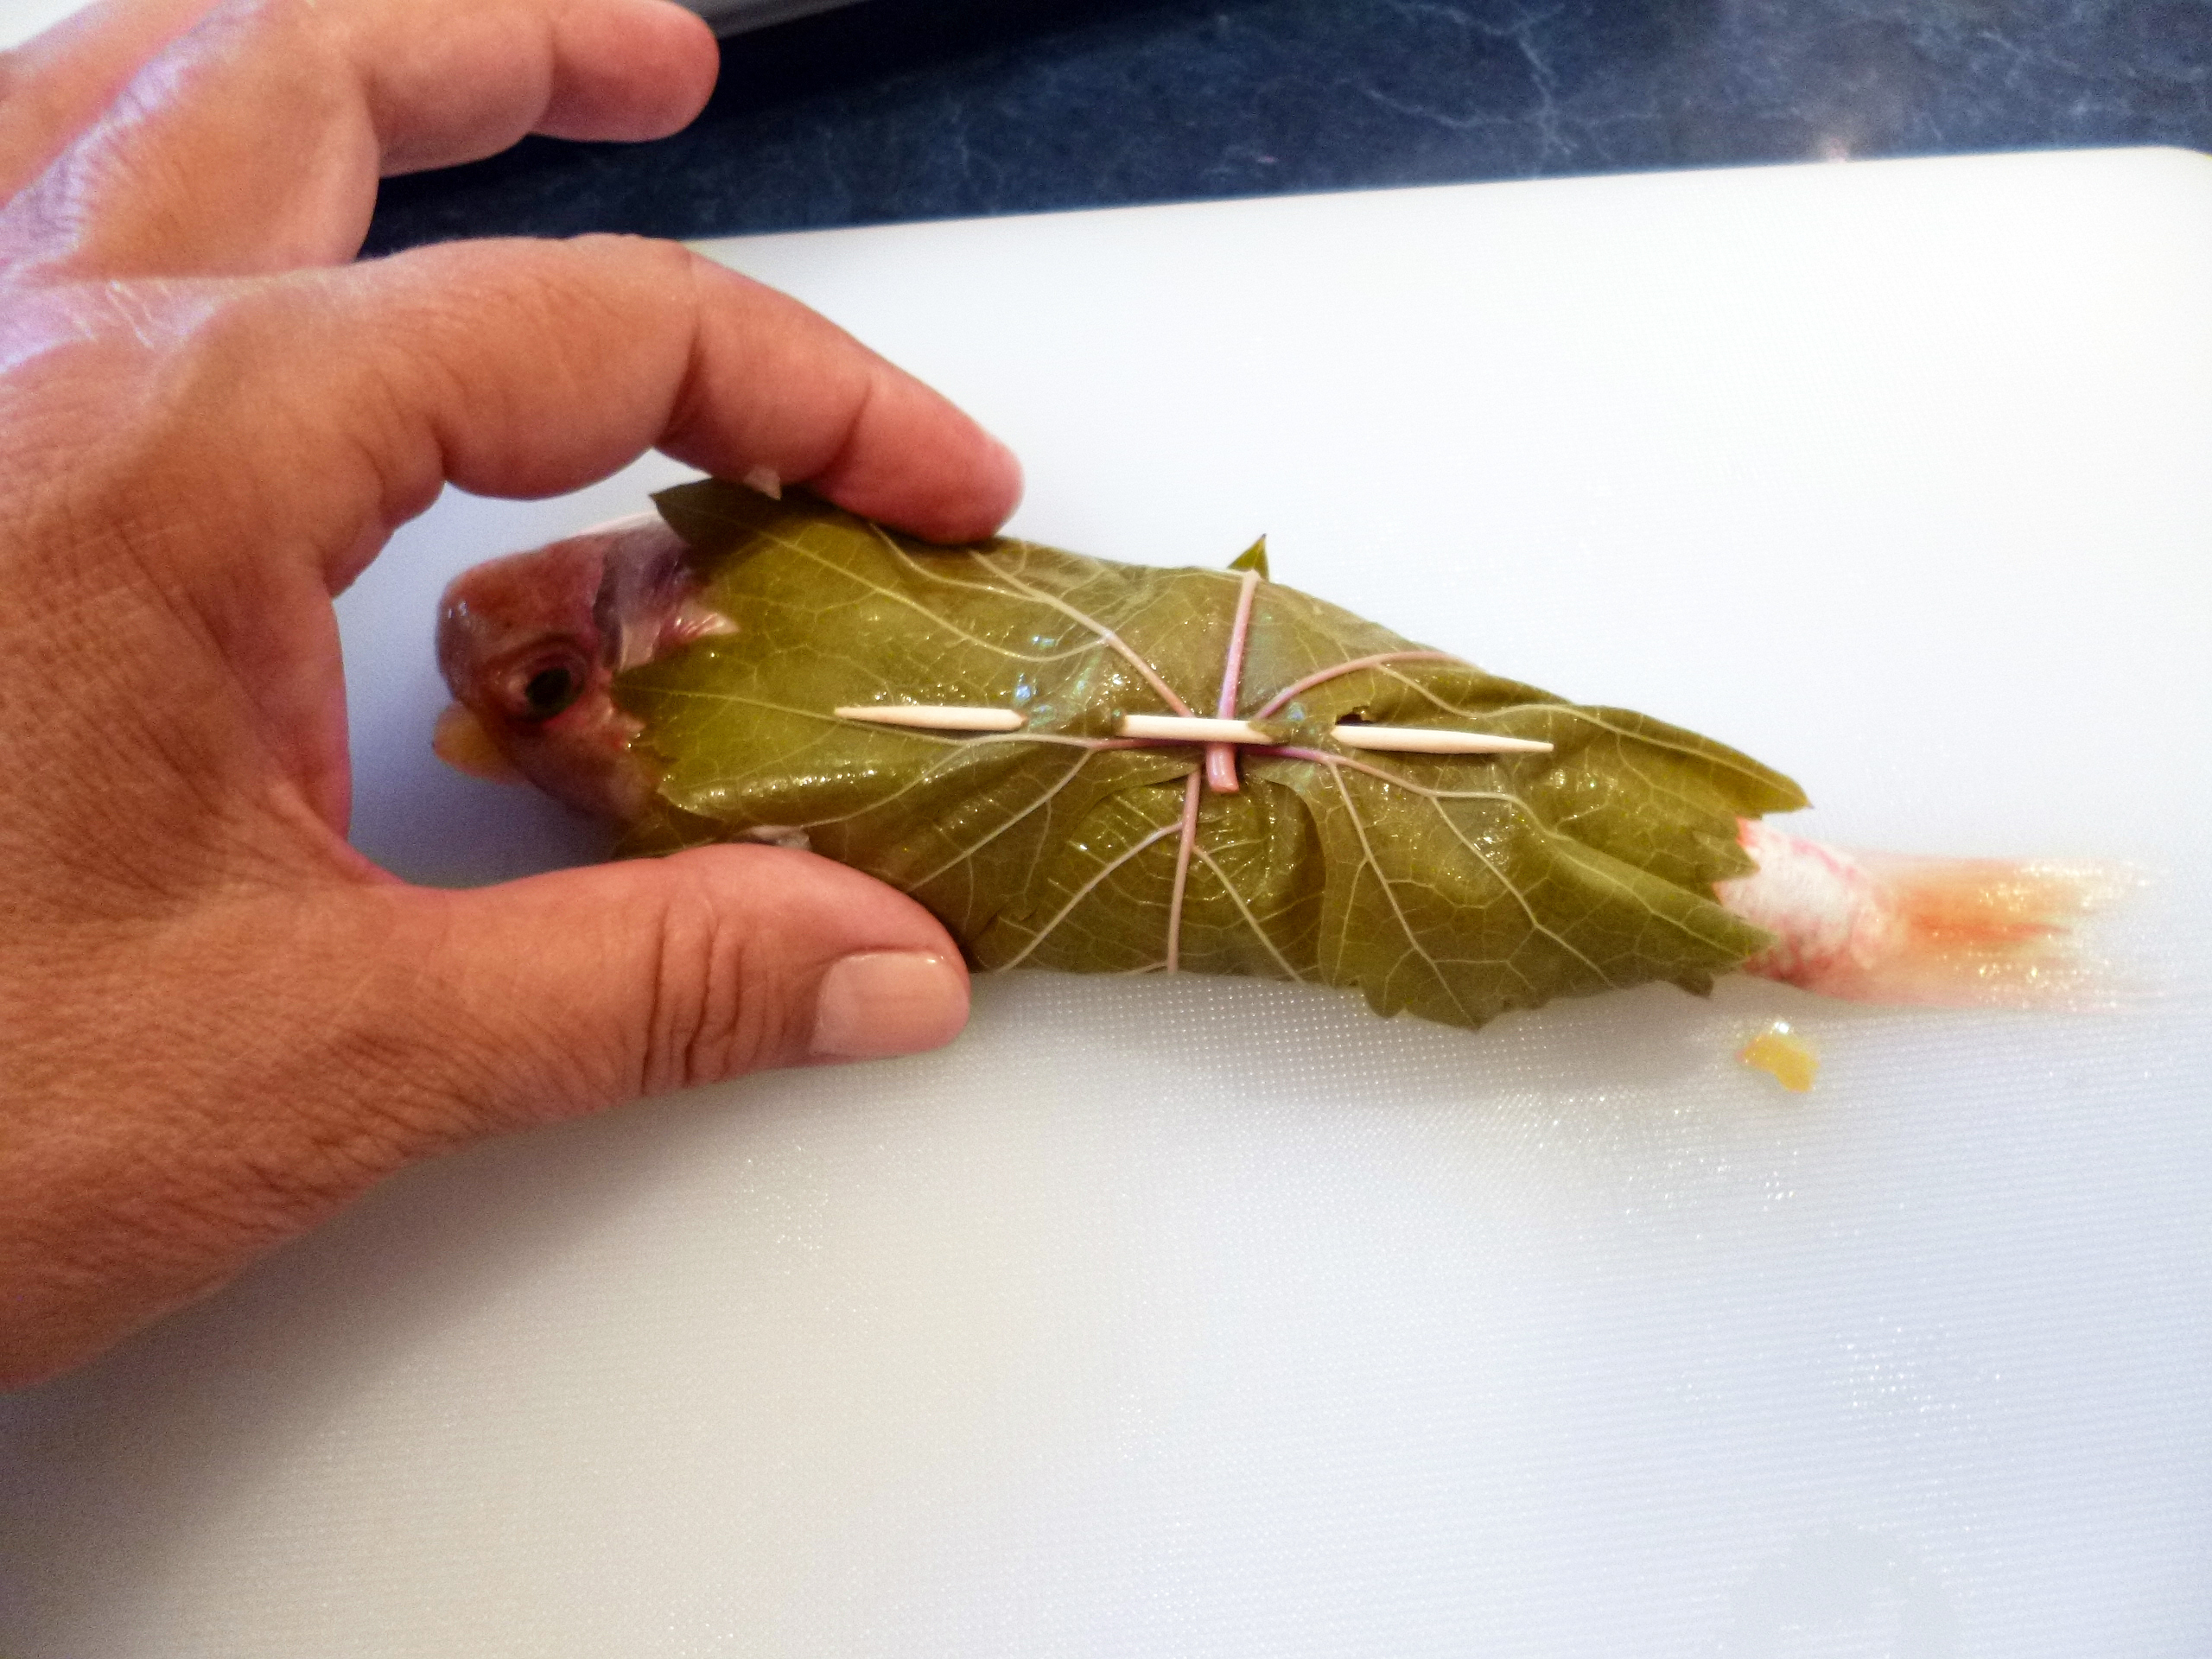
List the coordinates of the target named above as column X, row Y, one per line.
column 1190, row 1318
column 20, row 19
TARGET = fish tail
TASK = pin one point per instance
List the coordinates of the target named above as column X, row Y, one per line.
column 1992, row 933
column 1954, row 932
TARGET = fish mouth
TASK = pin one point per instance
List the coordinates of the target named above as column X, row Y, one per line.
column 462, row 740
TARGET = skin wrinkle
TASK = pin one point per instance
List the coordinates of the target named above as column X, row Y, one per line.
column 722, row 1031
column 840, row 460
column 687, row 418
column 678, row 1010
column 383, row 443
column 490, row 1081
column 179, row 715
column 389, row 115
column 449, row 1101
column 228, row 1046
column 548, row 292
column 557, row 283
column 90, row 844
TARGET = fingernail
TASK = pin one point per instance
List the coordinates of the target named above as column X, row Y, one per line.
column 885, row 1002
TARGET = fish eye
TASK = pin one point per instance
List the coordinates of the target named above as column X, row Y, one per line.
column 551, row 689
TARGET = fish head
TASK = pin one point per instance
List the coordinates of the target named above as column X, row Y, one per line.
column 530, row 646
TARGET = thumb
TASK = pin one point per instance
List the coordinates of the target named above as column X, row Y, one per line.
column 194, row 1093
column 567, row 993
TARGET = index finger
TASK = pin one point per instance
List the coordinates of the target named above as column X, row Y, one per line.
column 529, row 368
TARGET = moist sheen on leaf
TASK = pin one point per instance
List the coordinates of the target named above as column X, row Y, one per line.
column 1453, row 887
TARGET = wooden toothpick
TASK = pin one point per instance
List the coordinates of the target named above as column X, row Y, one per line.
column 936, row 717
column 1418, row 740
column 1192, row 728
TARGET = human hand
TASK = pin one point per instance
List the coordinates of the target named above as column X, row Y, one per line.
column 218, row 1022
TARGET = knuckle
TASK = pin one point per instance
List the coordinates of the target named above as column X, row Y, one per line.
column 296, row 49
column 653, row 253
column 716, row 1008
column 625, row 269
column 298, row 22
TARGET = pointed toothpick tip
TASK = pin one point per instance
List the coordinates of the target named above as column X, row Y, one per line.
column 935, row 716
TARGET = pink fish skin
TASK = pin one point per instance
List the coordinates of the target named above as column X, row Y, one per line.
column 531, row 644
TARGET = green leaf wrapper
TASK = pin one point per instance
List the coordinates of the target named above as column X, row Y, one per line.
column 1456, row 888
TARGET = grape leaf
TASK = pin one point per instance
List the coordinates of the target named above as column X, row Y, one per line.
column 1456, row 888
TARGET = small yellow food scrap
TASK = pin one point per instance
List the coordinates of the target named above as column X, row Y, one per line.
column 1784, row 1055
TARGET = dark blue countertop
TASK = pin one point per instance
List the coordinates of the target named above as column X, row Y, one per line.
column 929, row 109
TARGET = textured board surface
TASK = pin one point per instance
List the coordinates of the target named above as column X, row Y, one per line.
column 1200, row 1317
